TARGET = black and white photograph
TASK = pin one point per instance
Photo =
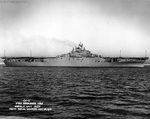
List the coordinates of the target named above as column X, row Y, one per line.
column 74, row 59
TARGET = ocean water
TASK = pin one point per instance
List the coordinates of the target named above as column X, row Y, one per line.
column 75, row 93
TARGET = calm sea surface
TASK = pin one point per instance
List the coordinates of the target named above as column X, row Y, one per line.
column 75, row 93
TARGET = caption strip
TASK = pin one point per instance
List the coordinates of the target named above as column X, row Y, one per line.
column 28, row 105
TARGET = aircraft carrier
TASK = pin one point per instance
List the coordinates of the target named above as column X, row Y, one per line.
column 78, row 57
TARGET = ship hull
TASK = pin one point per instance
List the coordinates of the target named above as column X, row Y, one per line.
column 78, row 57
column 73, row 62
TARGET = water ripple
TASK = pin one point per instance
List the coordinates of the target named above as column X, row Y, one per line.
column 77, row 93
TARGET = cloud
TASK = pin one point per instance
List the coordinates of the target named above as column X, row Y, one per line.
column 17, row 45
column 13, row 11
column 52, row 27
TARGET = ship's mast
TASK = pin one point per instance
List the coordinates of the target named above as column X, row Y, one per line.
column 4, row 53
column 120, row 53
column 145, row 53
column 30, row 53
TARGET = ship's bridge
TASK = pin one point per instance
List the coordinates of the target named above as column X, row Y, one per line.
column 81, row 52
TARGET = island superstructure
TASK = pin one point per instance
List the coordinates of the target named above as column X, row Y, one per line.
column 78, row 57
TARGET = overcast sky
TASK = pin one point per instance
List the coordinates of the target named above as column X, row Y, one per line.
column 53, row 27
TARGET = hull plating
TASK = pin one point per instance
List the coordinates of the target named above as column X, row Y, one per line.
column 75, row 62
